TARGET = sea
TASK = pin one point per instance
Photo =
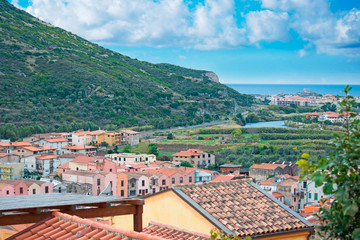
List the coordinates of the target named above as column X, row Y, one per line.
column 274, row 89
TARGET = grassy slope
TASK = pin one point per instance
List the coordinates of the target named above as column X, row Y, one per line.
column 53, row 77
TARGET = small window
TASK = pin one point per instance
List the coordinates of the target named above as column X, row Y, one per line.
column 110, row 169
column 21, row 190
column 153, row 182
column 98, row 181
column 181, row 180
column 304, row 184
column 7, row 192
column 309, row 195
column 46, row 189
column 294, row 199
column 34, row 191
column 173, row 180
column 143, row 183
column 163, row 182
column 122, row 183
column 122, row 193
column 315, row 196
column 146, row 191
column 139, row 192
column 190, row 179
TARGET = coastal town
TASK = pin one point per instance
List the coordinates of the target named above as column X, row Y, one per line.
column 179, row 120
column 78, row 163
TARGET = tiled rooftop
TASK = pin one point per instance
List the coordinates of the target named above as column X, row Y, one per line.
column 63, row 226
column 171, row 232
column 57, row 139
column 243, row 208
column 269, row 166
column 221, row 178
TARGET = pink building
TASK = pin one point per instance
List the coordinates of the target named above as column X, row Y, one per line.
column 6, row 190
column 99, row 180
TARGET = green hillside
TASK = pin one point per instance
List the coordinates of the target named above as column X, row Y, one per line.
column 52, row 77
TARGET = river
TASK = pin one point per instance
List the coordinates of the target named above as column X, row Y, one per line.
column 276, row 124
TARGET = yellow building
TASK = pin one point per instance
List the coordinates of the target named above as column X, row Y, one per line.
column 11, row 171
column 234, row 207
column 112, row 138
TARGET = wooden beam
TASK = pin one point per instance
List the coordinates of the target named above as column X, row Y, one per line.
column 11, row 219
column 138, row 218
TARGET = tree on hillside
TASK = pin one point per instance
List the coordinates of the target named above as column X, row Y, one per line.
column 153, row 149
column 236, row 134
column 339, row 174
column 170, row 136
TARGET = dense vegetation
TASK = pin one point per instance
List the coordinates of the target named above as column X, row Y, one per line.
column 246, row 146
column 53, row 78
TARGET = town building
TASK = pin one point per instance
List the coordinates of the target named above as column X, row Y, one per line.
column 261, row 172
column 131, row 158
column 234, row 207
column 130, row 137
column 229, row 168
column 82, row 149
column 11, row 170
column 55, row 142
column 196, row 157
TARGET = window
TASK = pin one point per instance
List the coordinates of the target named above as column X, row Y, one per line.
column 209, row 155
column 46, row 189
column 173, row 180
column 110, row 169
column 181, row 180
column 190, row 179
column 153, row 182
column 132, row 184
column 122, row 193
column 98, row 181
column 21, row 190
column 304, row 184
column 146, row 191
column 309, row 195
column 7, row 192
column 163, row 182
column 77, row 169
column 122, row 183
column 34, row 191
column 143, row 183
column 139, row 192
column 294, row 199
column 209, row 161
column 315, row 196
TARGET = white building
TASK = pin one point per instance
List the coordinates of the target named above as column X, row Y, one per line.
column 131, row 158
column 81, row 137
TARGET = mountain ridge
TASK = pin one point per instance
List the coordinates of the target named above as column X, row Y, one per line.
column 52, row 77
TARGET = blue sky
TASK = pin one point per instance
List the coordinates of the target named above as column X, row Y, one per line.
column 256, row 41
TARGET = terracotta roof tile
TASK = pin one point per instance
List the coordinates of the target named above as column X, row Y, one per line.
column 171, row 232
column 57, row 139
column 242, row 208
column 63, row 226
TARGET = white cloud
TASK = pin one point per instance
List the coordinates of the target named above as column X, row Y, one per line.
column 331, row 33
column 211, row 24
column 145, row 22
column 268, row 25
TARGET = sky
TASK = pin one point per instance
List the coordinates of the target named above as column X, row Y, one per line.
column 242, row 41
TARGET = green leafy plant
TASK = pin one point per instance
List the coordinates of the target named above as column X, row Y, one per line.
column 339, row 174
column 218, row 235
